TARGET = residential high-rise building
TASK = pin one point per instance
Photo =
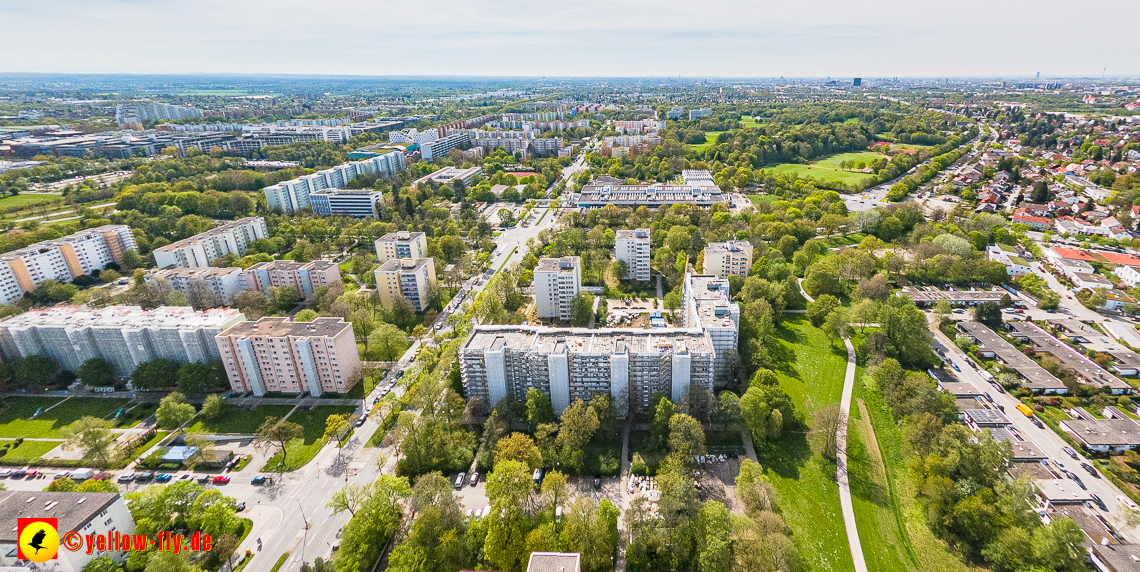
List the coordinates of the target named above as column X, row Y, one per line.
column 62, row 259
column 359, row 203
column 125, row 336
column 732, row 258
column 630, row 364
column 200, row 250
column 305, row 277
column 706, row 303
column 409, row 278
column 700, row 112
column 293, row 195
column 632, row 248
column 204, row 287
column 281, row 356
column 556, row 282
column 431, row 150
column 401, row 244
column 139, row 112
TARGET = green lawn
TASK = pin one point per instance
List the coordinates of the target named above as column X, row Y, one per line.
column 892, row 524
column 710, row 139
column 833, row 161
column 29, row 449
column 852, row 121
column 27, row 199
column 757, row 200
column 811, row 372
column 302, row 450
column 910, row 146
column 14, row 418
column 748, row 121
column 242, row 421
column 849, row 240
column 827, row 168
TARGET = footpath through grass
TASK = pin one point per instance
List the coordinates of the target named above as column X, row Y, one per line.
column 241, row 421
column 811, row 370
column 892, row 523
column 15, row 423
column 301, row 451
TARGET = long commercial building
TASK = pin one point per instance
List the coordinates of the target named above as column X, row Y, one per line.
column 411, row 279
column 359, row 203
column 125, row 336
column 699, row 191
column 200, row 250
column 293, row 195
column 305, row 277
column 204, row 287
column 62, row 259
column 632, row 247
column 281, row 356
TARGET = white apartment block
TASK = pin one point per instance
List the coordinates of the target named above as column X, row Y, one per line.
column 281, row 356
column 566, row 364
column 204, row 287
column 96, row 514
column 401, row 244
column 732, row 258
column 431, row 150
column 294, row 195
column 411, row 279
column 413, row 136
column 556, row 282
column 200, row 250
column 699, row 113
column 62, row 259
column 358, row 203
column 706, row 303
column 632, row 248
column 143, row 111
column 125, row 336
column 304, row 277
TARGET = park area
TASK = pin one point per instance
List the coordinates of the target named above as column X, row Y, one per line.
column 300, row 451
column 828, row 168
column 25, row 199
column 57, row 412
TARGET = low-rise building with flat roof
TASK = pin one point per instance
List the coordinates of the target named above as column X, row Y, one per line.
column 87, row 513
column 1032, row 375
column 1086, row 369
column 1116, row 434
column 929, row 296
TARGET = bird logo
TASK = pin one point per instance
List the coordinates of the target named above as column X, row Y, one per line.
column 38, row 539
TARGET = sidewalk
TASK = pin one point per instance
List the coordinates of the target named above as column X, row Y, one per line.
column 841, row 462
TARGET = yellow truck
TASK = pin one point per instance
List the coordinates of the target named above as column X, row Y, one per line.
column 1025, row 409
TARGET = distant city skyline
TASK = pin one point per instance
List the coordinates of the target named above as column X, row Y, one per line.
column 588, row 38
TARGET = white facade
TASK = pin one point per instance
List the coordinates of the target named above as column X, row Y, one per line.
column 204, row 287
column 1128, row 275
column 706, row 303
column 439, row 148
column 62, row 259
column 632, row 248
column 556, row 282
column 97, row 514
column 294, row 195
column 200, row 250
column 401, row 244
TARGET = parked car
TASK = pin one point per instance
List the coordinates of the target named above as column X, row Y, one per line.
column 1078, row 481
column 462, row 478
column 1098, row 502
column 1070, row 452
column 258, row 480
column 474, row 480
column 126, row 477
column 1127, row 502
column 359, row 421
column 1037, row 422
column 1090, row 470
column 5, row 473
column 62, row 475
column 163, row 478
column 221, row 479
column 955, row 366
column 142, row 477
column 204, row 479
column 185, row 477
column 241, row 506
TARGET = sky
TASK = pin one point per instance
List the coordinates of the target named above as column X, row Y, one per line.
column 613, row 38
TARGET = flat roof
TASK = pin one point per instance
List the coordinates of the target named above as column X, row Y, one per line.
column 982, row 417
column 542, row 339
column 931, row 294
column 72, row 510
column 281, row 327
column 223, row 228
column 554, row 562
column 1033, row 375
column 1023, row 449
column 400, row 236
column 397, row 265
column 124, row 317
column 637, row 233
column 959, row 389
column 1061, row 491
column 564, row 265
column 1088, row 370
column 73, row 237
column 1104, row 432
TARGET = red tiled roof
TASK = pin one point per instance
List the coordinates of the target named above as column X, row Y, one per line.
column 1074, row 254
column 1120, row 258
column 1020, row 217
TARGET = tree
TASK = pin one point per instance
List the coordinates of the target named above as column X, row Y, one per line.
column 591, row 530
column 579, row 422
column 863, row 312
column 173, row 411
column 306, row 315
column 276, row 433
column 686, row 437
column 714, row 525
column 336, row 426
column 1099, row 298
column 818, row 310
column 94, row 438
column 509, row 486
column 662, row 411
column 351, row 497
column 989, row 314
column 103, row 563
column 253, row 304
column 36, row 370
column 538, row 408
column 728, row 408
column 942, row 309
column 155, row 374
column 835, row 327
column 582, row 309
column 193, row 377
column 824, row 428
column 214, row 407
column 765, row 410
column 97, row 372
column 206, row 450
column 284, row 298
column 387, row 343
column 554, row 491
column 518, row 447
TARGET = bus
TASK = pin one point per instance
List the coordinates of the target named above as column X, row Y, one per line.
column 1025, row 409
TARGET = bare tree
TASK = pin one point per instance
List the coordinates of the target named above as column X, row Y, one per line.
column 825, row 426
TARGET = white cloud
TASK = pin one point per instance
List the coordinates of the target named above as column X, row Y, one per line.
column 580, row 38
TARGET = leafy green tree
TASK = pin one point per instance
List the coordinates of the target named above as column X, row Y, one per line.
column 374, row 522
column 193, row 377
column 538, row 408
column 714, row 541
column 336, row 426
column 818, row 310
column 518, row 447
column 214, row 407
column 579, row 422
column 591, row 530
column 276, row 433
column 36, row 370
column 662, row 411
column 173, row 411
column 93, row 437
column 686, row 436
column 103, row 563
column 156, row 374
column 765, row 410
column 989, row 314
column 306, row 315
column 387, row 343
column 97, row 372
column 581, row 309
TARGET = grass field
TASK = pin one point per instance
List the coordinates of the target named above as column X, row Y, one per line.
column 29, row 449
column 821, row 174
column 892, row 524
column 710, row 139
column 14, row 418
column 758, row 199
column 811, row 372
column 849, row 240
column 748, row 121
column 302, row 450
column 242, row 421
column 27, row 199
column 910, row 146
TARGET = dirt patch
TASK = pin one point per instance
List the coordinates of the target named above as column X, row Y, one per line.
column 867, row 432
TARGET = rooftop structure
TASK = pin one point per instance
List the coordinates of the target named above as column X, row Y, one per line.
column 1086, row 369
column 1033, row 376
column 1060, row 491
column 447, row 175
column 203, row 248
column 732, row 258
column 125, row 336
column 1023, row 449
column 554, row 562
column 985, row 418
